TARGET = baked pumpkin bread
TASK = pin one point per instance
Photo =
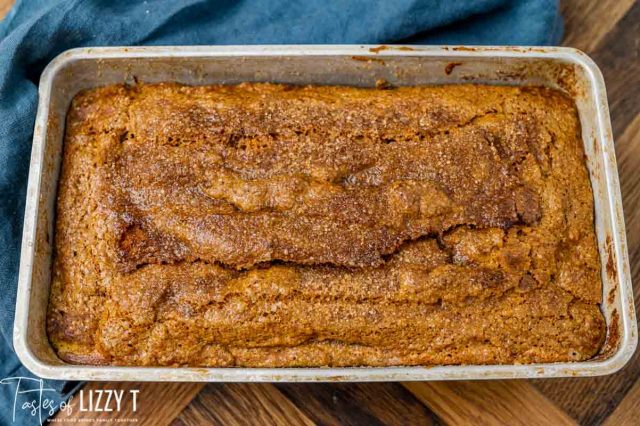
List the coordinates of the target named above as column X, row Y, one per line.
column 266, row 225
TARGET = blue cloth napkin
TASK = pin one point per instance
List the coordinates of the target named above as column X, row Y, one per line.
column 37, row 30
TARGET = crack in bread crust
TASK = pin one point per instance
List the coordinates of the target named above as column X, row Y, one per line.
column 272, row 225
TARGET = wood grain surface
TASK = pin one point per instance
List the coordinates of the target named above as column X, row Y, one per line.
column 5, row 5
column 239, row 403
column 157, row 403
column 609, row 31
column 512, row 402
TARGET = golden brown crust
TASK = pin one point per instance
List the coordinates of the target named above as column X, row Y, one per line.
column 269, row 225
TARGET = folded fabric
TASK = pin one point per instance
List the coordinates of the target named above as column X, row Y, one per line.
column 35, row 31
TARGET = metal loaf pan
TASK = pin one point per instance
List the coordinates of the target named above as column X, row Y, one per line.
column 563, row 68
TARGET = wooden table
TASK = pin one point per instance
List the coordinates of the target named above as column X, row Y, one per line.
column 609, row 31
